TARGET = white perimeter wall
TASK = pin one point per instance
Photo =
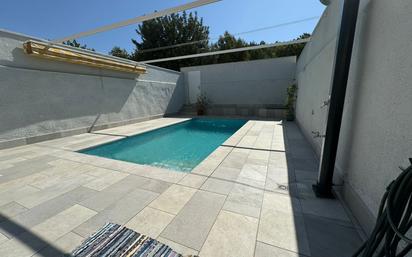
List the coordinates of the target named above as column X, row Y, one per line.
column 259, row 82
column 39, row 97
column 376, row 134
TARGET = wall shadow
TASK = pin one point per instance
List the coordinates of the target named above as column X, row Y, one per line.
column 322, row 226
column 177, row 98
column 32, row 95
column 29, row 239
column 40, row 96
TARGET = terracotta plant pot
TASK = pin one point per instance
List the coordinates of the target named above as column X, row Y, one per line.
column 200, row 112
column 289, row 115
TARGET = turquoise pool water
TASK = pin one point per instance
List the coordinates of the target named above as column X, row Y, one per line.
column 178, row 147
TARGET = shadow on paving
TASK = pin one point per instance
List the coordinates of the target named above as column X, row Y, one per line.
column 317, row 234
column 29, row 239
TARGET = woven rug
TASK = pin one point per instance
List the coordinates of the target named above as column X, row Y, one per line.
column 116, row 240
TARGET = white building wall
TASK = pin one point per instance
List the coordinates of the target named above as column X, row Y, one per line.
column 376, row 129
column 259, row 82
column 42, row 99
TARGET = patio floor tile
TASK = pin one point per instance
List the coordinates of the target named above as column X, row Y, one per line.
column 173, row 199
column 111, row 194
column 192, row 180
column 50, row 230
column 119, row 212
column 252, row 198
column 150, row 222
column 282, row 224
column 327, row 208
column 226, row 173
column 284, row 230
column 10, row 210
column 244, row 200
column 64, row 245
column 192, row 225
column 218, row 186
column 231, row 235
column 253, row 175
column 328, row 238
column 178, row 247
column 265, row 250
column 44, row 211
column 105, row 181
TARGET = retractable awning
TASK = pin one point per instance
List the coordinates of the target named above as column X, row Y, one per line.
column 72, row 55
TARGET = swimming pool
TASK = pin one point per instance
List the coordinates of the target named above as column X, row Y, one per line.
column 177, row 147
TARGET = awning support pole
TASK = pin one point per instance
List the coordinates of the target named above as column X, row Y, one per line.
column 323, row 188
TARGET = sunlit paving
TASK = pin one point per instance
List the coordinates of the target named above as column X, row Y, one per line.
column 208, row 128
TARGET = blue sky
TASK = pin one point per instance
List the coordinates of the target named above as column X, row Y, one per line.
column 53, row 19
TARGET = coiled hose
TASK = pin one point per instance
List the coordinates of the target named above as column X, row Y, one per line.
column 393, row 222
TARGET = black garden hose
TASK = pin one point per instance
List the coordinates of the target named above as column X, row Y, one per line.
column 393, row 222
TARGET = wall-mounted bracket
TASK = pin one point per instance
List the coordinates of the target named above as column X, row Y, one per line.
column 317, row 134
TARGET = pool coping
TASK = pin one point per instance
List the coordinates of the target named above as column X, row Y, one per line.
column 120, row 137
column 6, row 144
column 131, row 135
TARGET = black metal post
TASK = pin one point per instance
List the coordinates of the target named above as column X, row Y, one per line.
column 323, row 188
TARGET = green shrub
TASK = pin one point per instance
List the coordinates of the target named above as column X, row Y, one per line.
column 290, row 102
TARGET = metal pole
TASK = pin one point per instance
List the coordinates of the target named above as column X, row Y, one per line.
column 139, row 19
column 234, row 50
column 323, row 188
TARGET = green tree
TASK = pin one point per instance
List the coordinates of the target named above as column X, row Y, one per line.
column 119, row 52
column 74, row 43
column 170, row 30
column 228, row 41
column 290, row 50
column 262, row 53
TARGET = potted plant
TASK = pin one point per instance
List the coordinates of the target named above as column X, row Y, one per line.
column 290, row 102
column 201, row 104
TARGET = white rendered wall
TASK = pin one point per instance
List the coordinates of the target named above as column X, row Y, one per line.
column 40, row 97
column 260, row 82
column 376, row 133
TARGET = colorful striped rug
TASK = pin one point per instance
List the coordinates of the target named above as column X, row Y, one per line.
column 116, row 240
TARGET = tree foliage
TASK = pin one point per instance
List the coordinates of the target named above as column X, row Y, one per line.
column 119, row 52
column 289, row 50
column 228, row 41
column 171, row 30
column 74, row 43
column 190, row 34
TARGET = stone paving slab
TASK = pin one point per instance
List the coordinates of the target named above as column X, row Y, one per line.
column 118, row 212
column 173, row 199
column 331, row 239
column 10, row 210
column 231, row 235
column 51, row 192
column 25, row 168
column 193, row 223
column 244, row 200
column 250, row 197
column 111, row 194
column 41, row 212
column 105, row 181
column 226, row 173
column 193, row 180
column 218, row 186
column 63, row 246
column 150, row 222
column 48, row 231
column 16, row 194
column 265, row 250
column 178, row 247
